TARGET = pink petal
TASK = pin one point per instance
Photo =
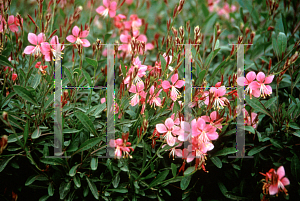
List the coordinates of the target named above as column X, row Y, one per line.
column 140, row 86
column 205, row 118
column 71, row 39
column 285, row 181
column 135, row 100
column 269, row 79
column 112, row 13
column 84, row 34
column 169, row 123
column 161, row 128
column 256, row 93
column 75, row 31
column 221, row 91
column 254, row 85
column 280, row 172
column 241, row 81
column 132, row 89
column 85, row 43
column 103, row 100
column 201, row 123
column 179, row 84
column 41, row 38
column 112, row 143
column 273, row 189
column 32, row 38
column 149, row 46
column 251, row 76
column 124, row 38
column 212, row 136
column 269, row 89
column 171, row 140
column 29, row 49
column 165, row 85
column 213, row 115
column 174, row 78
column 173, row 95
column 11, row 19
column 100, row 10
column 261, row 77
column 142, row 37
column 106, row 3
column 113, row 6
column 14, row 28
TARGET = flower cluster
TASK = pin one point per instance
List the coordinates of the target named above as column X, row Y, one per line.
column 259, row 87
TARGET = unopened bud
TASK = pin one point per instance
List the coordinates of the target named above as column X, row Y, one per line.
column 5, row 116
column 252, row 35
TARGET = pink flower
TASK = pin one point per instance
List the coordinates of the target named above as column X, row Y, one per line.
column 108, row 8
column 205, row 131
column 212, row 120
column 154, row 99
column 34, row 40
column 261, row 84
column 136, row 22
column 186, row 135
column 48, row 49
column 218, row 100
column 120, row 146
column 14, row 76
column 169, row 129
column 13, row 23
column 103, row 100
column 250, row 121
column 176, row 121
column 78, row 37
column 278, row 181
column 118, row 21
column 173, row 151
column 176, row 84
column 141, row 71
column 252, row 87
column 139, row 91
column 126, row 39
column 129, row 2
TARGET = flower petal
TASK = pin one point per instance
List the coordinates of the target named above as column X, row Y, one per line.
column 84, row 34
column 174, row 78
column 280, row 172
column 100, row 10
column 71, row 39
column 29, row 49
column 285, row 181
column 75, row 31
column 32, row 38
column 165, row 85
column 179, row 84
column 261, row 77
column 273, row 189
column 269, row 79
column 169, row 123
column 161, row 128
column 85, row 43
column 251, row 76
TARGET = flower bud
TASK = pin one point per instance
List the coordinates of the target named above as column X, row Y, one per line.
column 5, row 116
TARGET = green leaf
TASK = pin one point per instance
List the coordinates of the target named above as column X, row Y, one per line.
column 204, row 10
column 69, row 75
column 92, row 62
column 200, row 78
column 10, row 95
column 25, row 94
column 54, row 161
column 295, row 167
column 253, row 12
column 189, row 170
column 174, row 169
column 26, row 132
column 4, row 61
column 87, row 77
column 99, row 109
column 282, row 43
column 116, row 180
column 123, row 69
column 87, row 123
column 50, row 189
column 256, row 105
column 49, row 101
column 72, row 131
column 36, row 134
column 64, row 189
column 297, row 133
column 4, row 163
column 226, row 151
column 256, row 150
column 275, row 45
column 36, row 80
column 118, row 190
column 216, row 161
column 44, row 198
column 88, row 144
column 209, row 23
column 94, row 163
column 250, row 129
column 211, row 57
column 93, row 188
column 270, row 102
column 161, row 177
column 31, row 179
column 222, row 188
column 276, row 143
column 73, row 170
column 77, row 181
column 184, row 183
column 163, row 63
